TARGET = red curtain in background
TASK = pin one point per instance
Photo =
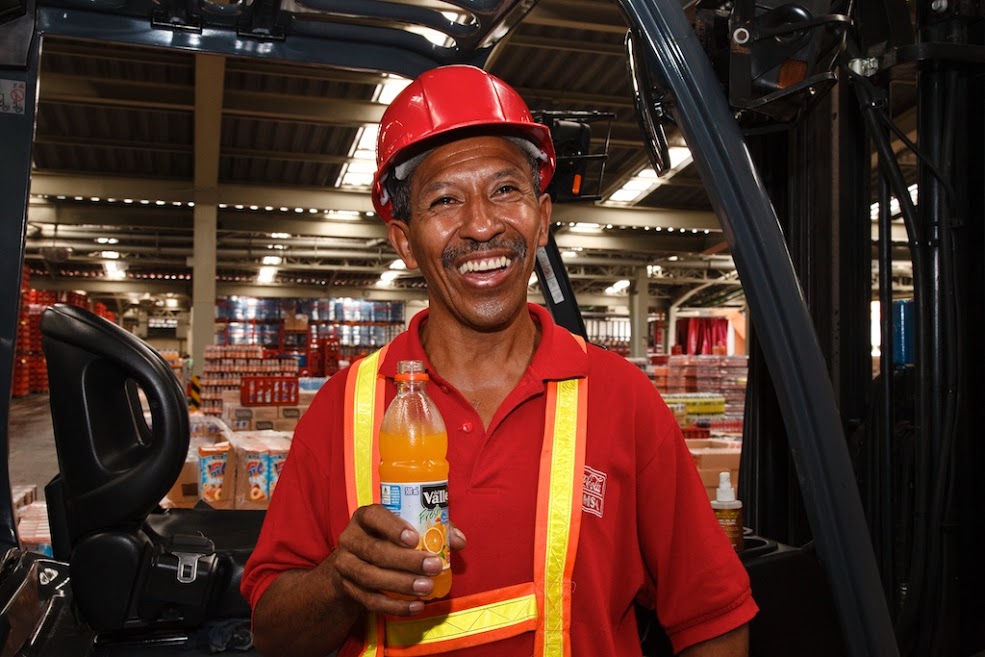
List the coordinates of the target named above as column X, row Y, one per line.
column 699, row 335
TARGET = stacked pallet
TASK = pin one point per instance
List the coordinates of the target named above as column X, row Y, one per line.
column 21, row 383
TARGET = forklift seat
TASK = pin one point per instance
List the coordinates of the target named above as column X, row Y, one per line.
column 132, row 565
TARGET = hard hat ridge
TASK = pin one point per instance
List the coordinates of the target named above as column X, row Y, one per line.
column 445, row 104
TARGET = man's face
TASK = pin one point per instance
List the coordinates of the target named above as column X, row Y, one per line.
column 476, row 222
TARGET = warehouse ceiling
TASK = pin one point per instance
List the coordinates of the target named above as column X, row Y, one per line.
column 130, row 137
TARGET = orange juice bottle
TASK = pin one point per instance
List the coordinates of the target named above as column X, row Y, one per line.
column 413, row 468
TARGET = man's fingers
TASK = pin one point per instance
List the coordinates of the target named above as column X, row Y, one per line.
column 366, row 583
column 456, row 539
column 378, row 521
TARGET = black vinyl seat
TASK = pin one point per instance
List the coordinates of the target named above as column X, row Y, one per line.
column 132, row 565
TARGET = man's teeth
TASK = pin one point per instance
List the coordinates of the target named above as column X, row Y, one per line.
column 485, row 264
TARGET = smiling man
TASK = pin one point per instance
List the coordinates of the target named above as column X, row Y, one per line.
column 568, row 474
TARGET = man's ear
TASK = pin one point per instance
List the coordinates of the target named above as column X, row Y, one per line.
column 546, row 206
column 398, row 232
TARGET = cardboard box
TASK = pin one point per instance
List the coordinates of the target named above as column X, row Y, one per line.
column 289, row 412
column 184, row 492
column 716, row 458
column 217, row 480
column 237, row 412
column 230, row 397
column 258, row 457
column 32, row 528
column 285, row 425
column 709, row 477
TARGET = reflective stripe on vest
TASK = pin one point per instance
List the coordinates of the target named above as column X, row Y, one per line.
column 543, row 605
column 364, row 400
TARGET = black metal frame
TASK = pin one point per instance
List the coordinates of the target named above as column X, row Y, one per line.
column 784, row 327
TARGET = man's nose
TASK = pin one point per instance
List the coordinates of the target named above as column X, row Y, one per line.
column 482, row 219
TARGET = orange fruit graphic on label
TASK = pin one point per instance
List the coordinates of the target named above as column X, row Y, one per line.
column 434, row 539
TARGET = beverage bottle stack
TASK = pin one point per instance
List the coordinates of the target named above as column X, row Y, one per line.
column 413, row 466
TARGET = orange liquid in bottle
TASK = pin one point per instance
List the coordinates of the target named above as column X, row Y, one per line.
column 414, row 471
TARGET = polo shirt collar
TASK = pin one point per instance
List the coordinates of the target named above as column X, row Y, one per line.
column 558, row 355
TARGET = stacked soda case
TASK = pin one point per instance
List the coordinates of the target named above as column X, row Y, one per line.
column 735, row 375
column 100, row 309
column 682, row 371
column 21, row 383
column 226, row 365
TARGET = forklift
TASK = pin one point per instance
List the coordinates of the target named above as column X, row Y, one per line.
column 860, row 483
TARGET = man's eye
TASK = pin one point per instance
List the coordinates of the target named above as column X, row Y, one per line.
column 507, row 189
column 442, row 200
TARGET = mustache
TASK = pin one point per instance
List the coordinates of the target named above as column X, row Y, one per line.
column 517, row 246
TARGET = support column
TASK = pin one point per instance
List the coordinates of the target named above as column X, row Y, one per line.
column 203, row 283
column 209, row 83
column 18, row 81
column 639, row 307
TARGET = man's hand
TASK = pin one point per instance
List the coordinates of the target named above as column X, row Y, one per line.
column 311, row 612
column 377, row 554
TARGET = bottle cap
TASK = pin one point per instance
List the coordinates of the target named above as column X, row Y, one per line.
column 410, row 370
column 725, row 492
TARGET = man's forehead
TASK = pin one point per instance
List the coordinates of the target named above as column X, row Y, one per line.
column 478, row 149
column 471, row 147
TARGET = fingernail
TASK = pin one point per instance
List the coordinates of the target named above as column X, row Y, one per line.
column 458, row 533
column 416, row 607
column 432, row 565
column 422, row 585
column 409, row 537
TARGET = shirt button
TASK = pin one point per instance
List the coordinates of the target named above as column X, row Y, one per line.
column 467, row 427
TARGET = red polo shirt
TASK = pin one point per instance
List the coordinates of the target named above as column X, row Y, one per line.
column 648, row 533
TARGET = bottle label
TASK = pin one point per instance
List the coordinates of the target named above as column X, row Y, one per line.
column 425, row 506
column 731, row 522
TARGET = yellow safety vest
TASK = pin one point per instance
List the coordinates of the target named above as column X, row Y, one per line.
column 543, row 605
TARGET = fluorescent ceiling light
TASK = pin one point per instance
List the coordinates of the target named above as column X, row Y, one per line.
column 267, row 275
column 679, row 156
column 356, row 179
column 586, row 227
column 342, row 214
column 106, row 240
column 272, row 260
column 366, row 138
column 115, row 269
column 386, row 92
column 624, row 195
column 280, row 236
column 389, row 276
column 398, row 264
column 110, row 255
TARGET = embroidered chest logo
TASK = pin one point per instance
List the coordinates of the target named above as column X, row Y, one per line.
column 593, row 492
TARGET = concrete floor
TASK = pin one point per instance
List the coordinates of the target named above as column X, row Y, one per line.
column 32, row 443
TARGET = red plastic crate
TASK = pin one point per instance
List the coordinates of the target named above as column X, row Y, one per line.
column 696, row 432
column 268, row 391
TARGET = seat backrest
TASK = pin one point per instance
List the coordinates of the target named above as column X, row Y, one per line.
column 114, row 467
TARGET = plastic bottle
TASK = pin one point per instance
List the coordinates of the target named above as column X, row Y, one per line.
column 728, row 510
column 413, row 468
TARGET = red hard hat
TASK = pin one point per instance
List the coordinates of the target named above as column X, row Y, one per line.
column 444, row 100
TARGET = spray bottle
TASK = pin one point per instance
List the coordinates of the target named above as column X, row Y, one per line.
column 728, row 510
